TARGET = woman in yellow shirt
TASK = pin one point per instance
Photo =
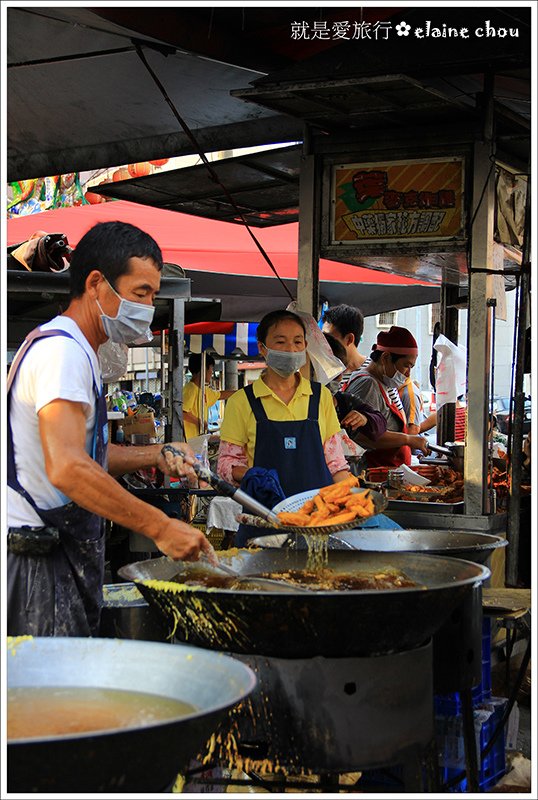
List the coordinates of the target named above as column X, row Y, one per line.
column 282, row 422
column 192, row 396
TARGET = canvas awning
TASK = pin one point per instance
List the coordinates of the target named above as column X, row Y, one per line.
column 223, row 338
column 225, row 266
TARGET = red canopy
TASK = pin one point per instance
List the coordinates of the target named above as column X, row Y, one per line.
column 217, row 249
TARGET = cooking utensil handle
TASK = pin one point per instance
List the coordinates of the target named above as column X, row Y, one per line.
column 223, row 487
column 444, row 451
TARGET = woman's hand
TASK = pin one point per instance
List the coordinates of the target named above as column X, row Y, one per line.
column 419, row 443
column 354, row 420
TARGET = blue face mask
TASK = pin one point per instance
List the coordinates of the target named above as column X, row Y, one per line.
column 131, row 323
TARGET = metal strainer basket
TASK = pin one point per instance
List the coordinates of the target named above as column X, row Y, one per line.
column 295, row 503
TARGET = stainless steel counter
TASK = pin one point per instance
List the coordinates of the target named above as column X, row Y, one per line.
column 492, row 523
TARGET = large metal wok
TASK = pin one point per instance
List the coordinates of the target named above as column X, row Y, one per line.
column 141, row 759
column 301, row 625
column 477, row 547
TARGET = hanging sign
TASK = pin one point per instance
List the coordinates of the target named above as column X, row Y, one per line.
column 411, row 200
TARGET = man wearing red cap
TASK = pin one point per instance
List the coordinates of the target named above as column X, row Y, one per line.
column 377, row 383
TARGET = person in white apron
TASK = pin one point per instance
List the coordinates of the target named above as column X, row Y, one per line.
column 60, row 466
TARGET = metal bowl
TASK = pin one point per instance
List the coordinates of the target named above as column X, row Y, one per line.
column 136, row 759
column 126, row 615
column 477, row 547
column 303, row 624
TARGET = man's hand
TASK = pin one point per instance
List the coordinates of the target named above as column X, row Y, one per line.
column 177, row 466
column 181, row 542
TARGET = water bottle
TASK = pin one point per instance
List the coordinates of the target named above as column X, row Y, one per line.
column 120, row 400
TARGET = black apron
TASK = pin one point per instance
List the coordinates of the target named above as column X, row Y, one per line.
column 291, row 447
column 55, row 573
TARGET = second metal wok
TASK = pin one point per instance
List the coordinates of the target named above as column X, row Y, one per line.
column 301, row 625
column 143, row 758
column 477, row 547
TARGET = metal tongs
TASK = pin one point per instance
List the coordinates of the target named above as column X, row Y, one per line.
column 453, row 452
column 274, row 584
column 226, row 489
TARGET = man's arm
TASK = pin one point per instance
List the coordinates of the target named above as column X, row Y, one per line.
column 226, row 393
column 62, row 429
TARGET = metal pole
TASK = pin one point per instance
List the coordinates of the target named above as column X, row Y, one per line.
column 308, row 267
column 147, row 369
column 479, row 328
column 203, row 371
column 449, row 328
column 176, row 371
column 231, row 374
column 516, row 426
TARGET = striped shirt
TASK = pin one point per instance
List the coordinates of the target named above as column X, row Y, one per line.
column 392, row 392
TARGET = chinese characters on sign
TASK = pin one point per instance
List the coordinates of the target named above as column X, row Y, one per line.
column 340, row 30
column 406, row 200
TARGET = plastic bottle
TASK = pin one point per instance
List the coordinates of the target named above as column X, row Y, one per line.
column 120, row 434
column 120, row 401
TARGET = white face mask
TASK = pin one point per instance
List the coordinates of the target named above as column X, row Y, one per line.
column 131, row 323
column 283, row 362
column 396, row 381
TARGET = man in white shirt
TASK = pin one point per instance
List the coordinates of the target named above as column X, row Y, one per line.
column 61, row 469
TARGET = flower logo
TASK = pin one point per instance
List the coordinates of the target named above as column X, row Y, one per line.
column 402, row 29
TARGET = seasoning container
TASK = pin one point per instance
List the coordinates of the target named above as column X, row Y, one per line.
column 395, row 479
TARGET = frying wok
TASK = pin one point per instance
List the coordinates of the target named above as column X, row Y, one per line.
column 477, row 547
column 301, row 625
column 136, row 759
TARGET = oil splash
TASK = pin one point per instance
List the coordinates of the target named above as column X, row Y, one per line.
column 195, row 613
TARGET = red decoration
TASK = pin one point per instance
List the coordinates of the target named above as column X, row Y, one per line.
column 160, row 162
column 139, row 170
column 121, row 175
column 94, row 198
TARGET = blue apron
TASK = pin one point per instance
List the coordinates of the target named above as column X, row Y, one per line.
column 55, row 574
column 293, row 448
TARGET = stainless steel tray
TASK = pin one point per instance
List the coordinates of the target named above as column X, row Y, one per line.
column 431, row 508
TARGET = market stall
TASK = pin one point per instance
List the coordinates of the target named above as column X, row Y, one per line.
column 318, row 655
column 419, row 203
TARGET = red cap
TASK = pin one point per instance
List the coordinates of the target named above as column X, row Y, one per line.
column 397, row 340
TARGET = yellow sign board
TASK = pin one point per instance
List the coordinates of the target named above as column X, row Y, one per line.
column 411, row 200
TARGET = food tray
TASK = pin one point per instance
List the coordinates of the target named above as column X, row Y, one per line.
column 431, row 508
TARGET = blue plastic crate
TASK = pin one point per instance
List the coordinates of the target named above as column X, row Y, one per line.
column 450, row 704
column 492, row 767
column 486, row 659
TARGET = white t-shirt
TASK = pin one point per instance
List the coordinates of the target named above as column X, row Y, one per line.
column 54, row 368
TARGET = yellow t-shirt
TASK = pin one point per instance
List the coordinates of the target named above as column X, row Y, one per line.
column 192, row 401
column 239, row 423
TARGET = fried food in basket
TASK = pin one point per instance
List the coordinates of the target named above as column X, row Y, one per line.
column 332, row 505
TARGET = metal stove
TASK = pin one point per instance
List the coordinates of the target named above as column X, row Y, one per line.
column 328, row 716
